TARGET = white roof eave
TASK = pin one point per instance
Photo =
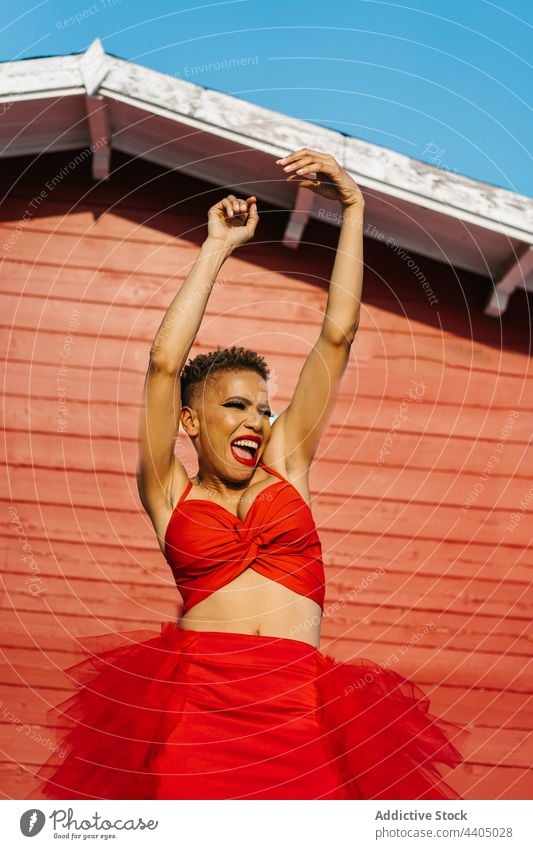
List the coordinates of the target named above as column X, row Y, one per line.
column 444, row 205
column 374, row 166
column 418, row 189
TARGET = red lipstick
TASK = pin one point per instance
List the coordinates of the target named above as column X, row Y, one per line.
column 242, row 447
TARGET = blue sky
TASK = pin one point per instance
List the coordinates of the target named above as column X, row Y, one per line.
column 443, row 81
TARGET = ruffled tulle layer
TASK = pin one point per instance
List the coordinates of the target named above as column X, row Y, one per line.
column 187, row 714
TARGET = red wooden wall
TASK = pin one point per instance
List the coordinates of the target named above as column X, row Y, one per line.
column 432, row 393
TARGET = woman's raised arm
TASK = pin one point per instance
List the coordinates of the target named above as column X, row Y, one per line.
column 302, row 423
column 231, row 223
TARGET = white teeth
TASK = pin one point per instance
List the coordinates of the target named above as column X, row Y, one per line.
column 248, row 443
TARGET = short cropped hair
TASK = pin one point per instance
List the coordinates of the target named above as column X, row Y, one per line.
column 202, row 366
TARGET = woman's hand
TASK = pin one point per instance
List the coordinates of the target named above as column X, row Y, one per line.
column 321, row 173
column 233, row 221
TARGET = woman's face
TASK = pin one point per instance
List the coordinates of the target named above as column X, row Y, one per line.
column 232, row 423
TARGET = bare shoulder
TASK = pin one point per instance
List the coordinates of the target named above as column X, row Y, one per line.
column 291, row 467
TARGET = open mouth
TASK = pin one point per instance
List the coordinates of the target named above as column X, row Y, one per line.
column 245, row 449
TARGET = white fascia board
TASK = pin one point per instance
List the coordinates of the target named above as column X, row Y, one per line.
column 443, row 208
column 194, row 123
column 380, row 186
column 438, row 189
column 48, row 94
column 374, row 167
column 37, row 77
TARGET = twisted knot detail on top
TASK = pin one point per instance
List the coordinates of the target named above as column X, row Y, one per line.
column 207, row 546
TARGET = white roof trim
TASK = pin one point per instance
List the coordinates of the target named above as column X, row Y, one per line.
column 94, row 67
column 375, row 167
column 70, row 102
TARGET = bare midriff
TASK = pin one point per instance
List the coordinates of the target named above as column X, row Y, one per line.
column 253, row 604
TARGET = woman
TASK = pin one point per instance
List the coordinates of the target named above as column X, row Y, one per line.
column 236, row 700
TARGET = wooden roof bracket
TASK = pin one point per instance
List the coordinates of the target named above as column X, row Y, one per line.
column 94, row 66
column 301, row 212
column 512, row 278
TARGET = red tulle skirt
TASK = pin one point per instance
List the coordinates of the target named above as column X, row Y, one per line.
column 212, row 715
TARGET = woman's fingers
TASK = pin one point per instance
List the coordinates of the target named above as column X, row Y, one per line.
column 238, row 205
column 233, row 220
column 311, row 160
column 298, row 162
column 226, row 203
column 311, row 168
column 235, row 213
column 240, row 209
column 231, row 206
column 322, row 173
column 253, row 217
column 291, row 158
column 222, row 206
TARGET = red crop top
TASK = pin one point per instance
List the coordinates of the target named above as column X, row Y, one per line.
column 206, row 545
